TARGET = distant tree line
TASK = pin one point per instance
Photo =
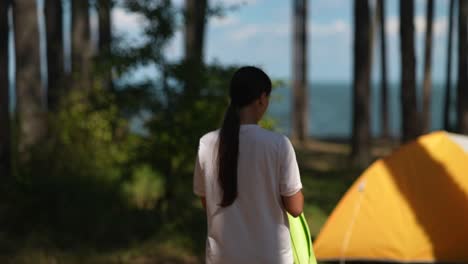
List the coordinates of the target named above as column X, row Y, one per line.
column 368, row 20
column 116, row 151
column 31, row 104
column 90, row 70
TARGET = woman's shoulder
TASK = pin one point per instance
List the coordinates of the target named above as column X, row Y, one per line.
column 262, row 134
column 274, row 137
column 210, row 137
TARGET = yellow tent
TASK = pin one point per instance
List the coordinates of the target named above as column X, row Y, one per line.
column 409, row 207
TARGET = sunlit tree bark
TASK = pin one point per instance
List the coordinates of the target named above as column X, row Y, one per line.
column 448, row 80
column 427, row 82
column 360, row 152
column 5, row 140
column 29, row 93
column 300, row 84
column 81, row 45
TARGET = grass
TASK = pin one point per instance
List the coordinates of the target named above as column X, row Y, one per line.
column 326, row 175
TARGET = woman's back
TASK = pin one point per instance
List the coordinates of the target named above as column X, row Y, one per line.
column 253, row 229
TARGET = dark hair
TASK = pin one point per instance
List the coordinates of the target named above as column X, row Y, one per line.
column 247, row 85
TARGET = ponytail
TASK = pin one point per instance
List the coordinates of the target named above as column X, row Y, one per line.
column 228, row 153
column 247, row 85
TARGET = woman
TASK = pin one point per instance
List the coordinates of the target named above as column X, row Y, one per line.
column 247, row 179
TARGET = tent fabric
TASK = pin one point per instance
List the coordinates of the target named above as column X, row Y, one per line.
column 411, row 206
column 460, row 140
column 301, row 241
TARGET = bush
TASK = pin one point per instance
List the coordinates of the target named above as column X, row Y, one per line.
column 69, row 188
column 145, row 187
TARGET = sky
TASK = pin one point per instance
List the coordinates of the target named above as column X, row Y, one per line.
column 260, row 33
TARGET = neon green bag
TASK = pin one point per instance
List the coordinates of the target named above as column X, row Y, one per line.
column 301, row 241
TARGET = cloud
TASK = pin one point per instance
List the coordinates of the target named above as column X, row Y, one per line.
column 247, row 32
column 181, row 3
column 174, row 49
column 126, row 21
column 252, row 30
column 234, row 2
column 330, row 4
column 316, row 30
column 224, row 21
column 328, row 29
column 439, row 25
column 392, row 26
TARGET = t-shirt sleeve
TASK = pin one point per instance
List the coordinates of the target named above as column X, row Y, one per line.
column 290, row 179
column 198, row 177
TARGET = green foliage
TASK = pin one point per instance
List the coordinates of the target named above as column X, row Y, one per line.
column 279, row 83
column 159, row 22
column 94, row 182
column 89, row 132
column 70, row 187
column 268, row 123
column 144, row 188
column 181, row 114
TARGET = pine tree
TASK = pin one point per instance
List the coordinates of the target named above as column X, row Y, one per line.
column 29, row 93
column 411, row 123
column 300, row 87
column 360, row 152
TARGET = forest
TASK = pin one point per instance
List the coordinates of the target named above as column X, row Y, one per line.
column 97, row 167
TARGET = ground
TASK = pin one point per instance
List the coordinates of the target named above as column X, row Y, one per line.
column 326, row 175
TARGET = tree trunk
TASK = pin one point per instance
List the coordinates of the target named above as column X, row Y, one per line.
column 5, row 141
column 29, row 94
column 448, row 81
column 300, row 95
column 411, row 123
column 105, row 40
column 427, row 83
column 462, row 94
column 360, row 152
column 81, row 45
column 195, row 19
column 384, row 113
column 55, row 57
column 195, row 22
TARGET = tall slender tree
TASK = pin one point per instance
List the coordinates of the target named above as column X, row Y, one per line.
column 81, row 44
column 55, row 58
column 105, row 41
column 5, row 140
column 462, row 93
column 411, row 123
column 448, row 76
column 384, row 113
column 427, row 82
column 29, row 93
column 195, row 24
column 195, row 21
column 300, row 94
column 361, row 83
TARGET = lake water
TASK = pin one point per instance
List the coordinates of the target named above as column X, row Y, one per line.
column 330, row 109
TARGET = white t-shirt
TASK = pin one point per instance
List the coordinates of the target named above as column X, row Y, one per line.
column 254, row 229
